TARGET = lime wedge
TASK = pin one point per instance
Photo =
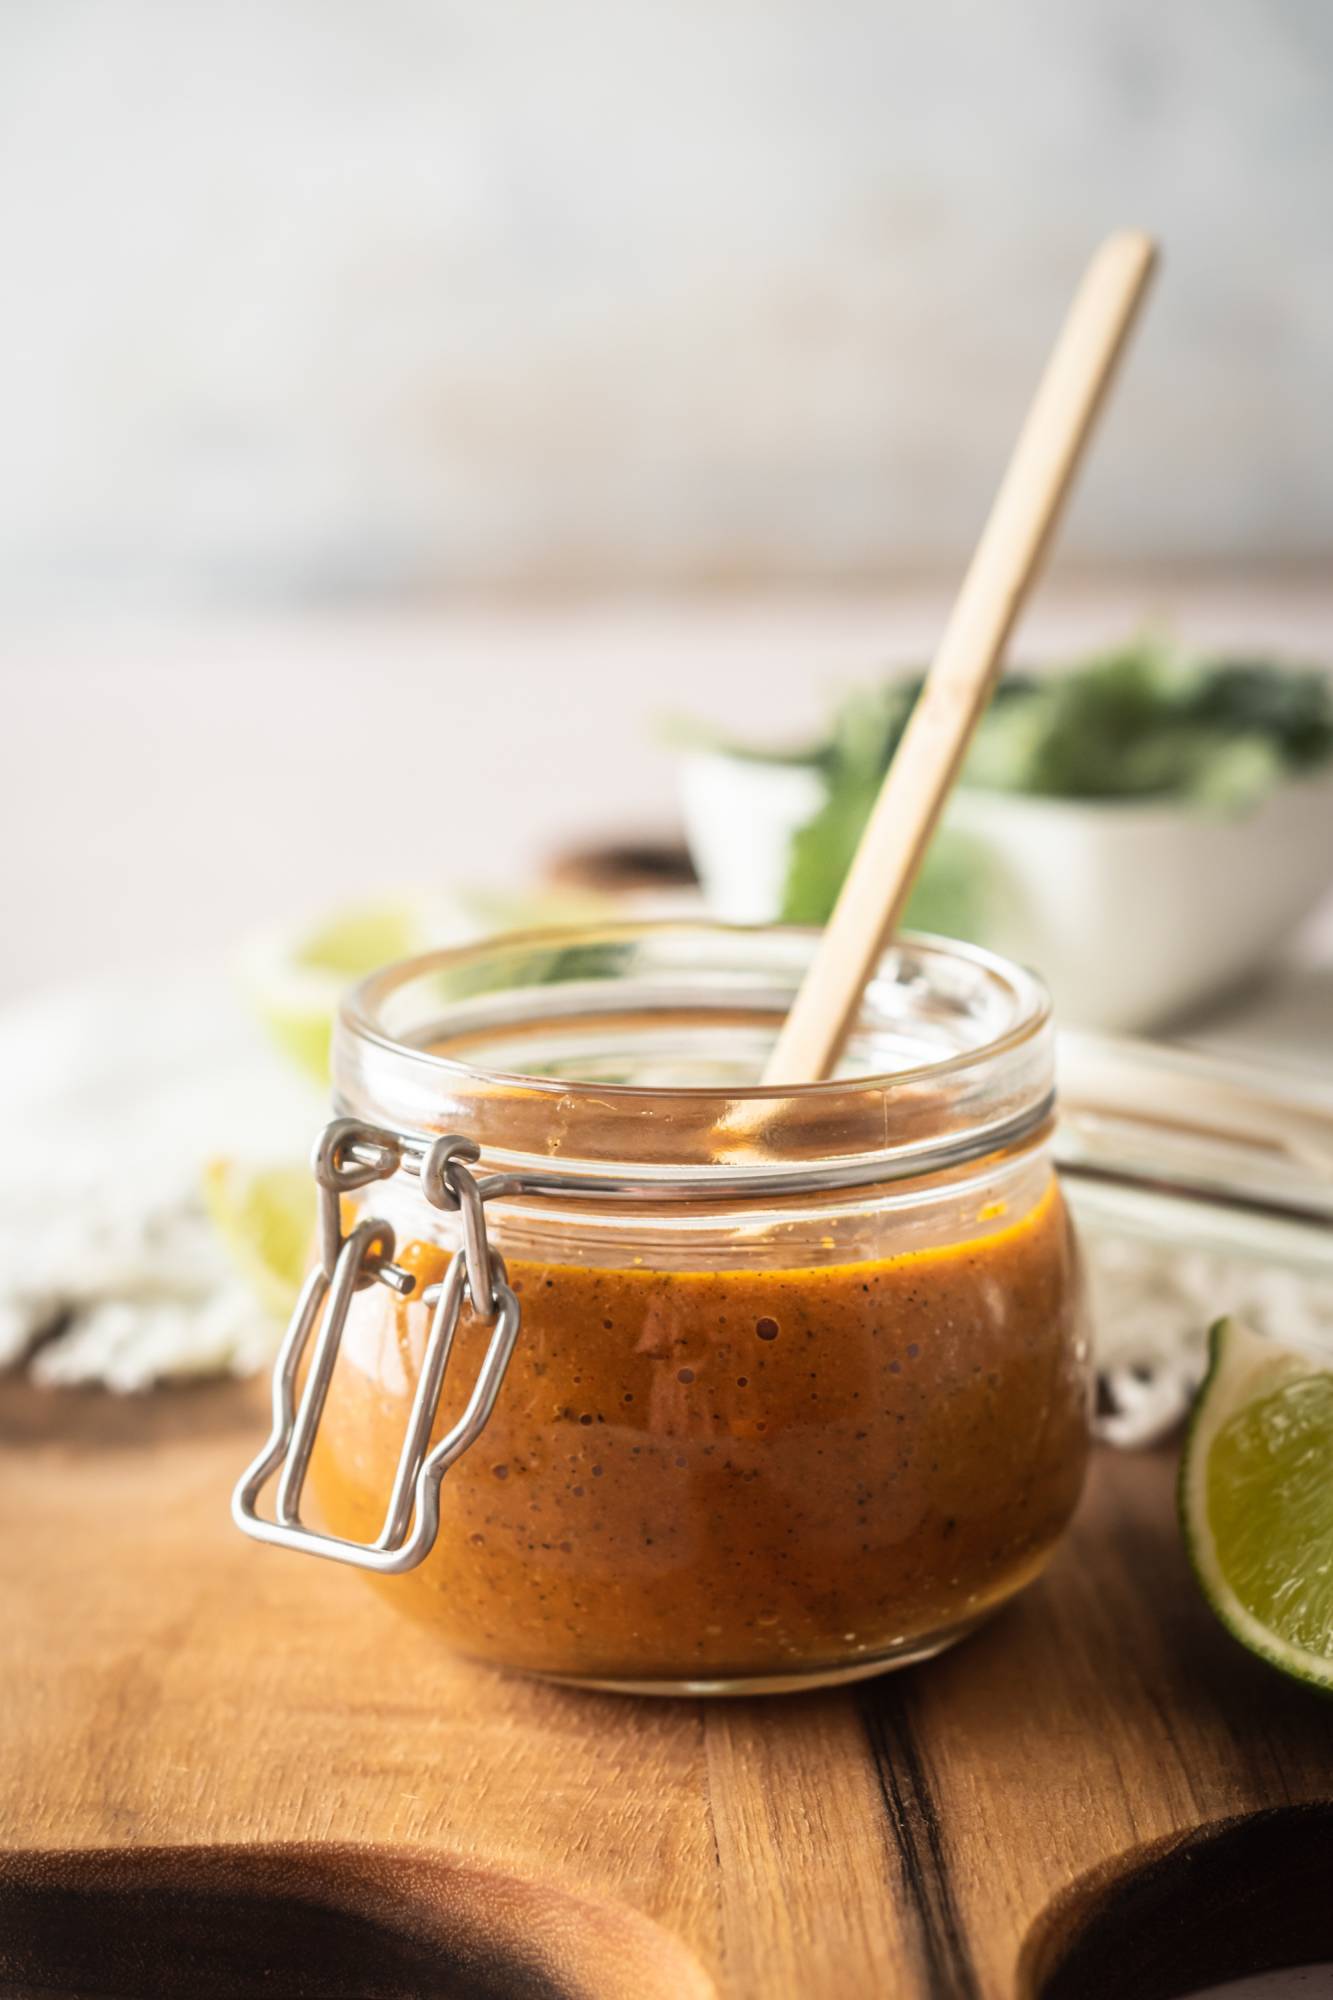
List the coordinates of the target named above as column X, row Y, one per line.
column 296, row 978
column 266, row 1218
column 1256, row 1499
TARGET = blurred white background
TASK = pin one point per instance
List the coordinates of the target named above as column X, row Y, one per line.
column 317, row 299
column 403, row 407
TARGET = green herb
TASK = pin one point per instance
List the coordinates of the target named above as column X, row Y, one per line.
column 1141, row 722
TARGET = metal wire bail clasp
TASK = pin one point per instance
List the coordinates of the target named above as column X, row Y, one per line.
column 350, row 1155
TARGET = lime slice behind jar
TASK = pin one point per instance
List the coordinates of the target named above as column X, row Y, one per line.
column 1256, row 1499
column 265, row 1217
column 296, row 978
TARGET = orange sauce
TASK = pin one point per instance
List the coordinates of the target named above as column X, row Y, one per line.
column 714, row 1474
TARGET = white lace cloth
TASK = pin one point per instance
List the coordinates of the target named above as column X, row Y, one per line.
column 1151, row 1307
column 114, row 1096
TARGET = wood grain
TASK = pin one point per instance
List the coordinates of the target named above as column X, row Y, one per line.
column 221, row 1758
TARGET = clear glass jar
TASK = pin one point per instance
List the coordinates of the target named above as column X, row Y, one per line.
column 805, row 1396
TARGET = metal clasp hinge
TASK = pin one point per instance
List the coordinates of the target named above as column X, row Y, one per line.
column 348, row 1155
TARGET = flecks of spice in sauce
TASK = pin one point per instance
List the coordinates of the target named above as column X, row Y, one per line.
column 747, row 1527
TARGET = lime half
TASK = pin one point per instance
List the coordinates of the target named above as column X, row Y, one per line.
column 266, row 1218
column 1256, row 1499
column 296, row 978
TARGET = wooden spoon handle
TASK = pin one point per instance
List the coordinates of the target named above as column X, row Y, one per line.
column 963, row 672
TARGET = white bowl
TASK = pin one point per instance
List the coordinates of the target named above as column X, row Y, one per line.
column 1131, row 913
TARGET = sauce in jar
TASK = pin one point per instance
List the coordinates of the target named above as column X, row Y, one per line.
column 798, row 1391
column 725, row 1475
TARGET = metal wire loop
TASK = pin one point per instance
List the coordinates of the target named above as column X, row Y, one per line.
column 447, row 1184
column 337, row 1172
column 370, row 1239
column 499, row 1287
column 442, row 1165
column 412, row 1519
column 377, row 1155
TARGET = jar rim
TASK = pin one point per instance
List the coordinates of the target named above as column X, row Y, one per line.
column 360, row 1012
column 513, row 1042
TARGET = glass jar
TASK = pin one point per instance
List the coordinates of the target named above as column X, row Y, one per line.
column 798, row 1386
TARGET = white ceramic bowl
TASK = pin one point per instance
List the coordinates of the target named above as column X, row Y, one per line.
column 1131, row 913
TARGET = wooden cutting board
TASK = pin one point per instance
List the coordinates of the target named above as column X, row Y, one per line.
column 227, row 1772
